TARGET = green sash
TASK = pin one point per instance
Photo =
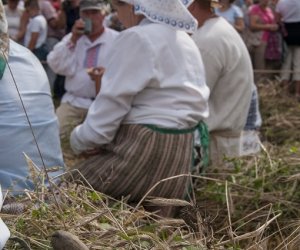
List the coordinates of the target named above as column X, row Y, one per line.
column 2, row 66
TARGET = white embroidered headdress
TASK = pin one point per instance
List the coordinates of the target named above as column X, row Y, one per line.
column 170, row 12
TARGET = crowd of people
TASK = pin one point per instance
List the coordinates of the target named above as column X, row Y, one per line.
column 141, row 85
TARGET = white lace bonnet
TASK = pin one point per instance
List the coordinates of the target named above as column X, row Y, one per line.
column 170, row 12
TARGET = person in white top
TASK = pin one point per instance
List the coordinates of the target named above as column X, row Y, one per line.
column 139, row 130
column 232, row 13
column 13, row 11
column 36, row 32
column 84, row 48
column 229, row 75
column 288, row 13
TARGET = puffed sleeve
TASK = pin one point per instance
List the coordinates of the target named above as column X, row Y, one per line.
column 62, row 59
column 213, row 68
column 130, row 69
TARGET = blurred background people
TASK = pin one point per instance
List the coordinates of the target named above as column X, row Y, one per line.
column 54, row 32
column 232, row 13
column 67, row 15
column 36, row 30
column 288, row 14
column 261, row 18
column 13, row 11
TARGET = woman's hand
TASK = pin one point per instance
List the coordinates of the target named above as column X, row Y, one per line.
column 272, row 27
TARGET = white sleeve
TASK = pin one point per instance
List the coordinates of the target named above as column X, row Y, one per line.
column 4, row 232
column 213, row 67
column 62, row 59
column 129, row 70
column 35, row 26
column 238, row 11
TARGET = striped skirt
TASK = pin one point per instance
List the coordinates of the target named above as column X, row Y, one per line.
column 136, row 160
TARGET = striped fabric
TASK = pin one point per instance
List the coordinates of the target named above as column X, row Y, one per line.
column 136, row 160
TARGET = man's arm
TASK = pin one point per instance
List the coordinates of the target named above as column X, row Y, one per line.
column 33, row 40
column 23, row 25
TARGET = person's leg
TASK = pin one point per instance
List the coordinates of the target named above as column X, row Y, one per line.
column 259, row 62
column 59, row 87
column 68, row 118
column 296, row 68
column 136, row 160
column 286, row 66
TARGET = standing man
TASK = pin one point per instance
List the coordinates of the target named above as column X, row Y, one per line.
column 36, row 31
column 84, row 48
column 288, row 13
column 229, row 76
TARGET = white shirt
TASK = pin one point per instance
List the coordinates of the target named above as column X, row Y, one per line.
column 154, row 75
column 74, row 62
column 36, row 24
column 289, row 10
column 229, row 75
column 13, row 20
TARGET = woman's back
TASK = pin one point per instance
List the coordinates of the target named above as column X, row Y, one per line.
column 26, row 72
column 166, row 73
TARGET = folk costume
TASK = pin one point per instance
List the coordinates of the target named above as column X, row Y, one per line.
column 24, row 70
column 4, row 45
column 73, row 61
column 153, row 95
column 229, row 76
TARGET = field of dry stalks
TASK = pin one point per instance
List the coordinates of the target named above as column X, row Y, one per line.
column 250, row 203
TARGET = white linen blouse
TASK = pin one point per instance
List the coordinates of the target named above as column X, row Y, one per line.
column 72, row 62
column 154, row 75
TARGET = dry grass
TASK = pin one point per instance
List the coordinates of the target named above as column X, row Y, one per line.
column 249, row 203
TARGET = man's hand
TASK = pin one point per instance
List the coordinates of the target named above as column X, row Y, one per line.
column 77, row 30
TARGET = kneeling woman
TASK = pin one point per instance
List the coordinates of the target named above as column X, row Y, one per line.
column 139, row 129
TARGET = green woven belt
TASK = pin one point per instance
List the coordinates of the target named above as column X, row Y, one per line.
column 2, row 67
column 204, row 137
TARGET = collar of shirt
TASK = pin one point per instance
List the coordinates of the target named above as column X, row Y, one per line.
column 100, row 40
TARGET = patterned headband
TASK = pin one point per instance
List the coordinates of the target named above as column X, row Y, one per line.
column 173, row 13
